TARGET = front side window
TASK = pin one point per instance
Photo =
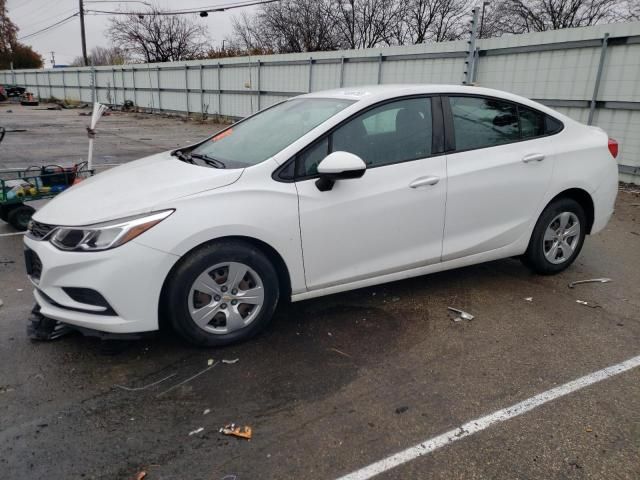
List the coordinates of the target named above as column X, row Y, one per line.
column 265, row 134
column 391, row 133
column 483, row 122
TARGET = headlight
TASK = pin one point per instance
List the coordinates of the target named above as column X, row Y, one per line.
column 103, row 236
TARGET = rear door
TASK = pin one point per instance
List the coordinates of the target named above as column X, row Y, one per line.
column 498, row 172
column 390, row 219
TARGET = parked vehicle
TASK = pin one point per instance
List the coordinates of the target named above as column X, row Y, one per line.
column 319, row 194
column 7, row 91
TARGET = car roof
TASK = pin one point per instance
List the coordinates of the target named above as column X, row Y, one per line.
column 383, row 91
column 374, row 93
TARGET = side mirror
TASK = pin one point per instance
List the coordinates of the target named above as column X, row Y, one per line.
column 339, row 166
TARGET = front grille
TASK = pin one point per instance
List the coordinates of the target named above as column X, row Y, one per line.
column 38, row 230
column 33, row 264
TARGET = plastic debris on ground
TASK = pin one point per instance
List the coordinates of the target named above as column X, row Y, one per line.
column 230, row 362
column 141, row 475
column 210, row 362
column 196, row 431
column 192, row 377
column 461, row 315
column 340, row 352
column 136, row 389
column 237, row 431
column 588, row 304
column 528, row 299
column 206, row 412
column 590, row 280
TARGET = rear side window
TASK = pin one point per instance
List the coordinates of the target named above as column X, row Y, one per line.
column 551, row 125
column 486, row 122
column 483, row 122
column 532, row 123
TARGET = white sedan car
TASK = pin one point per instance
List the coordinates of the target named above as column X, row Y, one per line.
column 319, row 194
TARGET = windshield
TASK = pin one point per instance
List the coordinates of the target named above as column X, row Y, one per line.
column 265, row 134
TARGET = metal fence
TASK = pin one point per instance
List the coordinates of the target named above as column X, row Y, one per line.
column 591, row 74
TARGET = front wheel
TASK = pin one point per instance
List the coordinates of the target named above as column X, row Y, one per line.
column 557, row 237
column 222, row 293
column 20, row 216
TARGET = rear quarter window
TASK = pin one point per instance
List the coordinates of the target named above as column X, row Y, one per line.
column 552, row 125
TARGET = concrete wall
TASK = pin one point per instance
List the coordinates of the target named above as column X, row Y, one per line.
column 558, row 68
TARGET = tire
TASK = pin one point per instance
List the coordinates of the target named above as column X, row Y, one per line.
column 564, row 224
column 19, row 217
column 210, row 283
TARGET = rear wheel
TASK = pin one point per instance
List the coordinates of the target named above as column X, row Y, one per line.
column 20, row 216
column 222, row 293
column 557, row 237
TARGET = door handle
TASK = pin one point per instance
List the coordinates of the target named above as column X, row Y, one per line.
column 424, row 181
column 533, row 157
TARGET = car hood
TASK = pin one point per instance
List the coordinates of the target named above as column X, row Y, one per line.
column 133, row 188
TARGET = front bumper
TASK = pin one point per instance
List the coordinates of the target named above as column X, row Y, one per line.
column 129, row 277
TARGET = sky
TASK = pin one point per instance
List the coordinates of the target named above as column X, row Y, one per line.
column 33, row 15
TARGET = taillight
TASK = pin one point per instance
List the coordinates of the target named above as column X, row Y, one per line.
column 613, row 147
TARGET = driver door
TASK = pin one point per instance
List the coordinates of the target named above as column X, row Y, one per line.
column 392, row 218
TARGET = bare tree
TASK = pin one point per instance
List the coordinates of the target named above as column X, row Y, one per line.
column 368, row 23
column 310, row 25
column 158, row 38
column 103, row 56
column 287, row 26
column 520, row 16
column 633, row 10
column 435, row 20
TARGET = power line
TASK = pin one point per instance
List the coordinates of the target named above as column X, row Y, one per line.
column 47, row 11
column 212, row 8
column 50, row 27
column 23, row 4
column 48, row 18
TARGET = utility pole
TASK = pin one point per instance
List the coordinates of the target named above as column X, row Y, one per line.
column 53, row 59
column 84, row 40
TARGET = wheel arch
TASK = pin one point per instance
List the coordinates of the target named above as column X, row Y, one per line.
column 583, row 198
column 284, row 278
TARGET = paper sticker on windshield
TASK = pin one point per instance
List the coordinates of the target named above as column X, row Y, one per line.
column 220, row 136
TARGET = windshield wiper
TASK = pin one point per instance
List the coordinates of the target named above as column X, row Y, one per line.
column 214, row 162
column 182, row 156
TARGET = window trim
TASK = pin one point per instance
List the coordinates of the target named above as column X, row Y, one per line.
column 437, row 136
column 450, row 139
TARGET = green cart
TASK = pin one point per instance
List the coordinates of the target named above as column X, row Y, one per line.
column 18, row 187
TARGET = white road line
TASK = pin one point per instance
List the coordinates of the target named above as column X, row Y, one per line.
column 480, row 424
column 11, row 234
